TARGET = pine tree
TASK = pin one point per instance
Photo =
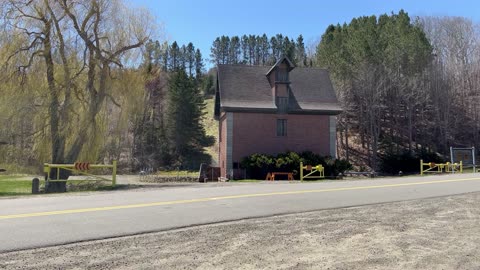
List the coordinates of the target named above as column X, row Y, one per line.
column 245, row 49
column 264, row 48
column 224, row 49
column 190, row 59
column 215, row 51
column 234, row 50
column 174, row 59
column 198, row 64
column 165, row 56
column 184, row 129
column 300, row 54
column 288, row 48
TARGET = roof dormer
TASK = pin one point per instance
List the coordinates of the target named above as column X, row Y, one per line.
column 279, row 72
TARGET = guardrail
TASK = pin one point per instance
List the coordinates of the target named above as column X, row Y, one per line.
column 433, row 167
column 81, row 168
column 313, row 170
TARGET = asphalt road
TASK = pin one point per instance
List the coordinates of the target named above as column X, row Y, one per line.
column 40, row 221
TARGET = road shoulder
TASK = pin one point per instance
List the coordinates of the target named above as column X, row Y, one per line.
column 421, row 234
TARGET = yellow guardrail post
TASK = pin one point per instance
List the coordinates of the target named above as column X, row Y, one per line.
column 313, row 169
column 301, row 171
column 461, row 166
column 421, row 166
column 46, row 169
column 321, row 169
column 114, row 173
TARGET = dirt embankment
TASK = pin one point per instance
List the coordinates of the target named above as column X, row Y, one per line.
column 440, row 233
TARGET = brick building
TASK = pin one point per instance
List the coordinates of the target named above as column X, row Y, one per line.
column 272, row 110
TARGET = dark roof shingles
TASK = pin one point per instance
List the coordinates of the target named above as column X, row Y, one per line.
column 247, row 88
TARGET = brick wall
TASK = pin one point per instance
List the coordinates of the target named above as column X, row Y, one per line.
column 256, row 133
column 222, row 129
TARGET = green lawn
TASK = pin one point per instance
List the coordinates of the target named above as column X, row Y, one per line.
column 14, row 185
column 11, row 185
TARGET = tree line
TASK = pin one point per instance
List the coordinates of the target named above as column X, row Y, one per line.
column 258, row 50
column 405, row 86
column 168, row 132
column 172, row 57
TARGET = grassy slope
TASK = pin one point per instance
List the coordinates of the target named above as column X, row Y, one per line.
column 211, row 128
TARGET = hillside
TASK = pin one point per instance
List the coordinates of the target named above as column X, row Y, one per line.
column 211, row 128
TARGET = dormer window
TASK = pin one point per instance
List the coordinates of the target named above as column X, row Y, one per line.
column 279, row 79
column 281, row 75
column 282, row 104
column 278, row 73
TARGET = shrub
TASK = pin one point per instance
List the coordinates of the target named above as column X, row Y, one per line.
column 258, row 165
column 392, row 163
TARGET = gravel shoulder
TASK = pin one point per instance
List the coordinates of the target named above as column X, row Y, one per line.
column 438, row 233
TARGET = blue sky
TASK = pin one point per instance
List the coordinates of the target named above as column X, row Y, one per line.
column 200, row 22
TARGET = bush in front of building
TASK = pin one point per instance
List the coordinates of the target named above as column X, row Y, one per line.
column 259, row 165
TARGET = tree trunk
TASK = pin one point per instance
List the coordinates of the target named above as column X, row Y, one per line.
column 58, row 141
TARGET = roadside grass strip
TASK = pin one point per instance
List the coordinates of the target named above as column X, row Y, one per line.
column 14, row 185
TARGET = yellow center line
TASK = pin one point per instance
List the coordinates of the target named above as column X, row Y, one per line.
column 140, row 205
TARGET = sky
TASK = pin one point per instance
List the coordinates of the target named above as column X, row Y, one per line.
column 200, row 22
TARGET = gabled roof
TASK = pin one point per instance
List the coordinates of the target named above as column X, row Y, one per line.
column 246, row 88
column 281, row 60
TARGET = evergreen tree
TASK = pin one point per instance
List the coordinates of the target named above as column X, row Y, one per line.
column 198, row 64
column 264, row 48
column 182, row 58
column 245, row 49
column 275, row 50
column 252, row 44
column 190, row 59
column 300, row 54
column 215, row 51
column 184, row 129
column 165, row 55
column 279, row 46
column 234, row 50
column 224, row 49
column 174, row 57
column 288, row 48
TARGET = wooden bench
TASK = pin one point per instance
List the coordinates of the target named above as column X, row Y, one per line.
column 271, row 176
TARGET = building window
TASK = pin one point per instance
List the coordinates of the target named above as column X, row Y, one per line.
column 281, row 75
column 282, row 104
column 282, row 127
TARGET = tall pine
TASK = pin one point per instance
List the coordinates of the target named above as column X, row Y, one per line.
column 184, row 128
